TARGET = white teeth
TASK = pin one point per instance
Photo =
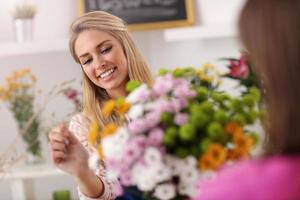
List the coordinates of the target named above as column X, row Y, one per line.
column 107, row 73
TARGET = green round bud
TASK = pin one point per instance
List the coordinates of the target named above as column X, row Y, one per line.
column 182, row 152
column 132, row 85
column 251, row 116
column 170, row 136
column 162, row 72
column 199, row 119
column 166, row 118
column 256, row 93
column 202, row 93
column 239, row 118
column 178, row 72
column 221, row 116
column 249, row 100
column 207, row 107
column 204, row 144
column 187, row 132
column 215, row 131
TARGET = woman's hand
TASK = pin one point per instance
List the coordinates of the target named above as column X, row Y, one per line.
column 67, row 153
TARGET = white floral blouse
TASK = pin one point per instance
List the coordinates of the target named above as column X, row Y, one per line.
column 79, row 126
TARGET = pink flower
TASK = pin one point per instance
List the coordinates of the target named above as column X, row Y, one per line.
column 125, row 178
column 155, row 137
column 163, row 85
column 239, row 68
column 180, row 118
column 70, row 93
column 178, row 104
column 183, row 91
column 137, row 126
column 152, row 119
column 163, row 105
column 118, row 190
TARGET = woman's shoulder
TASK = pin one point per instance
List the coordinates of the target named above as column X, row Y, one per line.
column 256, row 179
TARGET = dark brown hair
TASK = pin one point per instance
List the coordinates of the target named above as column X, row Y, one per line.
column 270, row 32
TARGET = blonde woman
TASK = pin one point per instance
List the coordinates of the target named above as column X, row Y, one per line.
column 102, row 45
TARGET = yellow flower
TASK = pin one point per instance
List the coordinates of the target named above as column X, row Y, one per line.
column 93, row 133
column 209, row 73
column 4, row 94
column 100, row 152
column 123, row 107
column 108, row 130
column 108, row 108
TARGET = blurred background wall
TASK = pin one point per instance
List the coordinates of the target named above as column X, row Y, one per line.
column 51, row 62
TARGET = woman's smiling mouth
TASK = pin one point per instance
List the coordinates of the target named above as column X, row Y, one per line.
column 107, row 73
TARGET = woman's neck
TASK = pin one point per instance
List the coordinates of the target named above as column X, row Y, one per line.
column 114, row 94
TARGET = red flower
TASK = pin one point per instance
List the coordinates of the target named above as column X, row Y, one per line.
column 239, row 68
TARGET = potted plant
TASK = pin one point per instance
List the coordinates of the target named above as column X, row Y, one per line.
column 23, row 15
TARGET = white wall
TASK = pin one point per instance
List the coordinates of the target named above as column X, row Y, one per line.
column 52, row 22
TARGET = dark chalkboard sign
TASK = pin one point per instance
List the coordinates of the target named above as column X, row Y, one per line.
column 145, row 14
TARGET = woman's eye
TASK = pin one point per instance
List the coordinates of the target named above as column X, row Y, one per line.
column 88, row 61
column 106, row 50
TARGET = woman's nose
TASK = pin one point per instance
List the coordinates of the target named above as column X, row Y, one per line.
column 99, row 63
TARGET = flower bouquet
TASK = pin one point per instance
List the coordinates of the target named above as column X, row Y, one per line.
column 175, row 132
column 18, row 93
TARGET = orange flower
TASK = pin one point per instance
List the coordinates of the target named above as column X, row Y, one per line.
column 231, row 127
column 108, row 108
column 237, row 154
column 243, row 141
column 218, row 153
column 108, row 130
column 123, row 107
column 206, row 162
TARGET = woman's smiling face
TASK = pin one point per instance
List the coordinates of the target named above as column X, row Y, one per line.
column 102, row 59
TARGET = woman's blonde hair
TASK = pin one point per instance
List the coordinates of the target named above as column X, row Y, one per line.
column 138, row 70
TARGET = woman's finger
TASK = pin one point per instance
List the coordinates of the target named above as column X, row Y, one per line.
column 57, row 146
column 57, row 136
column 58, row 156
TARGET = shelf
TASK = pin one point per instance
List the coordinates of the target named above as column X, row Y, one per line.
column 31, row 171
column 34, row 47
column 200, row 32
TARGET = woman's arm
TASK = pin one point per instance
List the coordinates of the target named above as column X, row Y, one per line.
column 91, row 184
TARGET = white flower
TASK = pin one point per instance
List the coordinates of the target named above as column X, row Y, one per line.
column 165, row 191
column 187, row 189
column 142, row 178
column 161, row 173
column 135, row 112
column 152, row 155
column 189, row 175
column 140, row 94
column 113, row 146
column 174, row 164
column 94, row 162
column 190, row 161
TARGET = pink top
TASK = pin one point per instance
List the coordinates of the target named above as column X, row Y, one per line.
column 79, row 126
column 273, row 178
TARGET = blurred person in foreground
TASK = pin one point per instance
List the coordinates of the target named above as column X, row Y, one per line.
column 101, row 44
column 270, row 32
